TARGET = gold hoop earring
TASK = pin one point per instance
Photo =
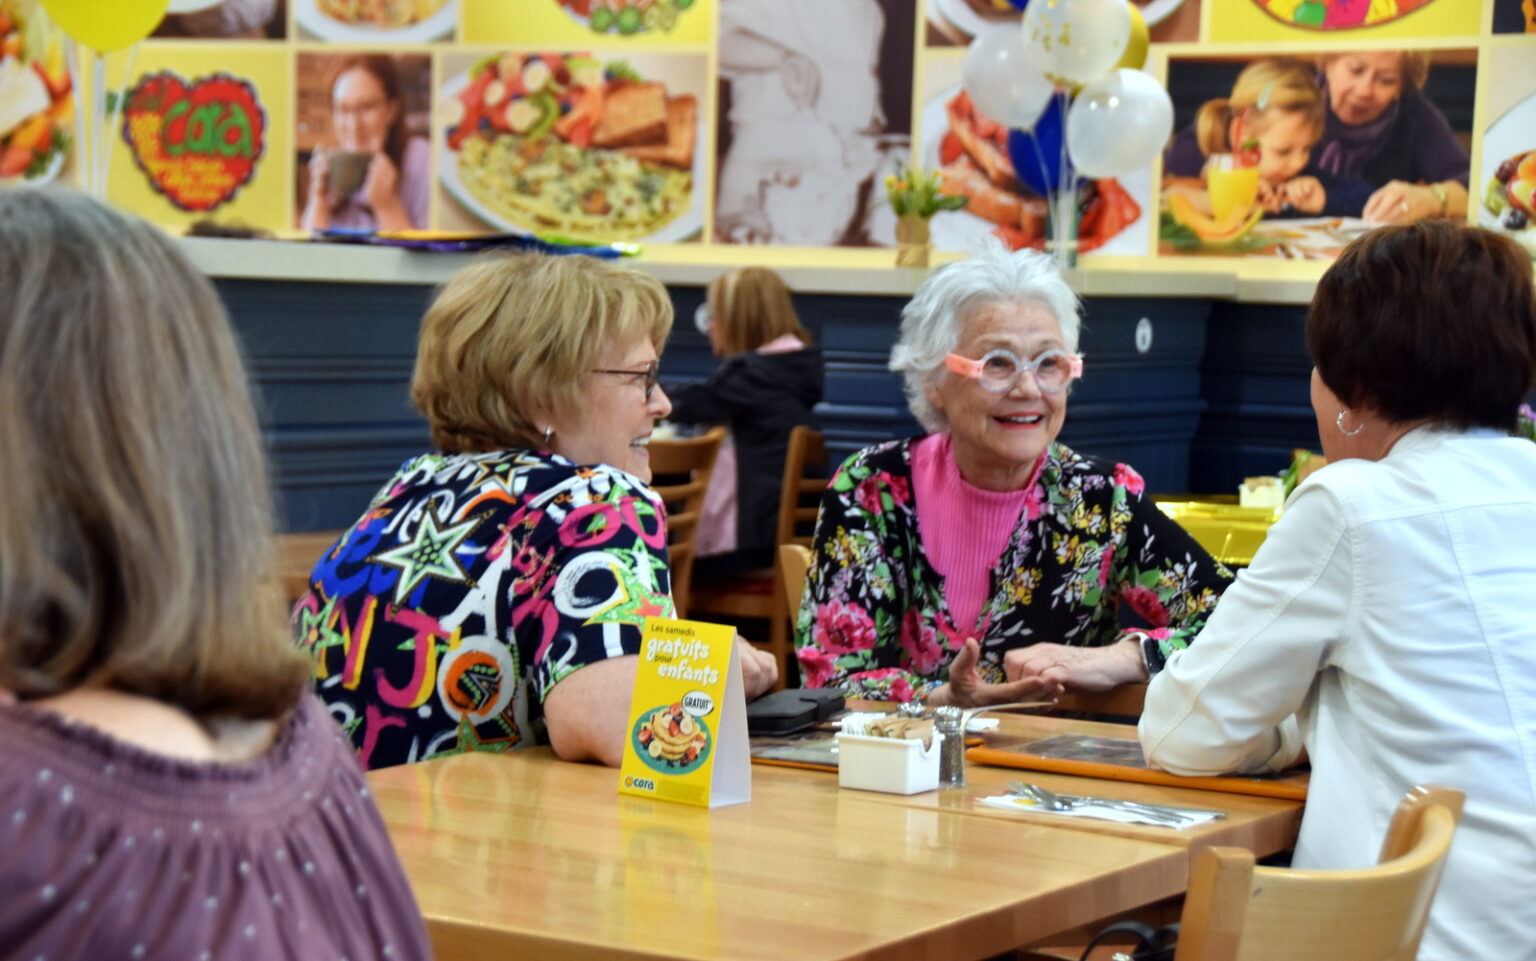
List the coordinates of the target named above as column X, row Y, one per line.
column 1339, row 423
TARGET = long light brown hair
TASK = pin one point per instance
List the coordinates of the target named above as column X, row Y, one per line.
column 752, row 307
column 1270, row 88
column 135, row 547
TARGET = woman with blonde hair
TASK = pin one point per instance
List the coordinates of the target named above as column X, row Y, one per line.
column 1270, row 121
column 492, row 594
column 769, row 384
column 171, row 788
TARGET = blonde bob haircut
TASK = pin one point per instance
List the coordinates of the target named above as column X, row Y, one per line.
column 513, row 337
column 1271, row 87
column 752, row 307
column 135, row 539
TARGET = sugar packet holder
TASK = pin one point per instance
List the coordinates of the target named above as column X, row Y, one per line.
column 884, row 752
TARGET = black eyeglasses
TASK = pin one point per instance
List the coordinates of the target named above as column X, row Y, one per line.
column 651, row 372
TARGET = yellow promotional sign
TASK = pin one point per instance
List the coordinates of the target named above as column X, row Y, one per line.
column 588, row 23
column 204, row 135
column 687, row 738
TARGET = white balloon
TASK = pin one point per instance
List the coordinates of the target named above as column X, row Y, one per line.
column 1004, row 83
column 1118, row 124
column 1075, row 41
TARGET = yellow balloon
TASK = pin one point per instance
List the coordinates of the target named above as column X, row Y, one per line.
column 107, row 25
column 1136, row 48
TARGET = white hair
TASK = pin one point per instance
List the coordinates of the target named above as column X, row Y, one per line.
column 934, row 318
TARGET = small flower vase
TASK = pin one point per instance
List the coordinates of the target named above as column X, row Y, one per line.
column 912, row 246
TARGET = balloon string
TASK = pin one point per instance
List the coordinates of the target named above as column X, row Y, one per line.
column 98, row 112
column 114, row 113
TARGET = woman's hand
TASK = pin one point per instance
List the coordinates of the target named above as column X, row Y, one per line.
column 1080, row 668
column 1400, row 202
column 381, row 188
column 759, row 669
column 967, row 689
column 317, row 208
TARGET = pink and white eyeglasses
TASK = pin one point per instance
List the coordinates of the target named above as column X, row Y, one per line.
column 998, row 371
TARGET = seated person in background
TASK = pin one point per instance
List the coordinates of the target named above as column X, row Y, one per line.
column 984, row 563
column 1275, row 114
column 768, row 385
column 493, row 593
column 1389, row 609
column 171, row 788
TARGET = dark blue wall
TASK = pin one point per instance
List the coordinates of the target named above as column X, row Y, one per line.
column 1220, row 394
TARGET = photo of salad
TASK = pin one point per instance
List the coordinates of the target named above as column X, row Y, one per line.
column 626, row 17
column 37, row 102
column 569, row 146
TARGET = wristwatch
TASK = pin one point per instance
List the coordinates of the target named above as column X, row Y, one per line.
column 1151, row 652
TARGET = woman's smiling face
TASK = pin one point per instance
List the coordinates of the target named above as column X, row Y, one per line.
column 997, row 438
column 1362, row 85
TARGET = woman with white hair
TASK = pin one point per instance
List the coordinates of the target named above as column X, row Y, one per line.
column 985, row 563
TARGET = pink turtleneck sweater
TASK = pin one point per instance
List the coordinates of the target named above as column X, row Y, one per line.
column 964, row 529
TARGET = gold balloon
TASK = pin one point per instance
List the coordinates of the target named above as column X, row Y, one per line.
column 1136, row 48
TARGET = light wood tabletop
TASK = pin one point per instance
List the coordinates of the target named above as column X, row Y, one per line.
column 1262, row 825
column 520, row 855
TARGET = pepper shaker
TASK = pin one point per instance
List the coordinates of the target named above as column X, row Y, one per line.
column 949, row 722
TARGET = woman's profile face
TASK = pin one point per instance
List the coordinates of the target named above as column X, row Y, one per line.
column 614, row 424
column 1002, row 434
column 1362, row 85
column 361, row 111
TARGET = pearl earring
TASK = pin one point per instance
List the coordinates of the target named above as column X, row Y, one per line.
column 1339, row 423
column 548, row 433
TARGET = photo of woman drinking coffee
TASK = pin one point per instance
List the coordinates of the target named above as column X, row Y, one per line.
column 364, row 160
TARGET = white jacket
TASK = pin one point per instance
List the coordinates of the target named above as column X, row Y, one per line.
column 1392, row 611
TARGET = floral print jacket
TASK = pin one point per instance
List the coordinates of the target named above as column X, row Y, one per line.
column 874, row 619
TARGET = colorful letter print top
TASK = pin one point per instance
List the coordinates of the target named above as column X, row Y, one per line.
column 473, row 584
column 874, row 619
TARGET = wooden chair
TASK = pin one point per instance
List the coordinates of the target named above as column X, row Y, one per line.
column 760, row 594
column 296, row 556
column 1237, row 912
column 794, row 562
column 1125, row 700
column 682, row 467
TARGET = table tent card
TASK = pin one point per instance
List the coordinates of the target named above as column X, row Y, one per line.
column 687, row 738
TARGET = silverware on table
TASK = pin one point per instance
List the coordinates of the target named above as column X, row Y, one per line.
column 1052, row 801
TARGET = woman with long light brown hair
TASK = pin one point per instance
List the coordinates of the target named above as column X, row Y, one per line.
column 171, row 789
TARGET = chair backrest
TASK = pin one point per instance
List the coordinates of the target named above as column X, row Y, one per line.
column 682, row 468
column 804, row 481
column 1235, row 911
column 297, row 554
column 794, row 561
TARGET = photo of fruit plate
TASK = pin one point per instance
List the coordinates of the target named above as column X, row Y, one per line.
column 1509, row 174
column 377, row 21
column 626, row 17
column 37, row 101
column 571, row 147
column 971, row 152
column 671, row 740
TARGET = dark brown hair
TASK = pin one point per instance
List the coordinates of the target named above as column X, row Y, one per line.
column 1429, row 321
column 135, row 548
column 383, row 68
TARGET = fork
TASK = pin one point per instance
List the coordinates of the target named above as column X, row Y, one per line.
column 1052, row 801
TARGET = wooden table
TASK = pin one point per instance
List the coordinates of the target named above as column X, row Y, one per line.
column 522, row 856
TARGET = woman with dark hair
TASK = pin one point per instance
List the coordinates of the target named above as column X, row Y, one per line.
column 171, row 788
column 769, row 383
column 377, row 176
column 1385, row 624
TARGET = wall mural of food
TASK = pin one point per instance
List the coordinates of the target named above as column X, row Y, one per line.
column 381, row 21
column 390, row 14
column 1338, row 14
column 1508, row 201
column 37, row 102
column 627, row 17
column 575, row 146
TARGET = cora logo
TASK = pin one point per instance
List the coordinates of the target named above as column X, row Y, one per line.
column 197, row 143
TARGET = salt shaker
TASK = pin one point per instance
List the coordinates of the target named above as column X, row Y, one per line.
column 948, row 721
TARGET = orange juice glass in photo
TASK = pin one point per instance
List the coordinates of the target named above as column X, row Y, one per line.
column 1233, row 190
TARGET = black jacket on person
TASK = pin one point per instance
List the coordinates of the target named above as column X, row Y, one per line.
column 761, row 398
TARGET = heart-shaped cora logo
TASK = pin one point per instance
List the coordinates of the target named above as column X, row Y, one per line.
column 198, row 144
column 1338, row 14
